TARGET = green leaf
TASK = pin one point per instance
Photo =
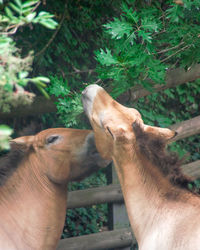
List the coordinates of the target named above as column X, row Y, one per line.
column 40, row 84
column 42, row 78
column 4, row 41
column 23, row 74
column 27, row 10
column 175, row 13
column 8, row 87
column 43, row 92
column 117, row 29
column 149, row 25
column 22, row 82
column 49, row 23
column 5, row 130
column 163, row 120
column 147, row 85
column 45, row 14
column 105, row 57
column 130, row 13
column 9, row 12
column 4, row 19
column 14, row 7
column 5, row 133
column 30, row 17
column 191, row 98
column 145, row 36
column 169, row 93
column 131, row 39
column 29, row 3
column 18, row 2
column 181, row 90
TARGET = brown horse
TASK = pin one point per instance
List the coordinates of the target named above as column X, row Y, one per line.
column 33, row 185
column 163, row 213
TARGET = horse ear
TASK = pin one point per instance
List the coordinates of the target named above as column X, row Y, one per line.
column 163, row 132
column 23, row 140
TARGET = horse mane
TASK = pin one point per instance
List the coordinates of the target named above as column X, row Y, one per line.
column 154, row 149
column 10, row 162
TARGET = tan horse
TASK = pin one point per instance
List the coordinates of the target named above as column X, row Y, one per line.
column 33, row 185
column 163, row 213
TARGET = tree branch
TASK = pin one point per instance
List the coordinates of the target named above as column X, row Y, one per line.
column 174, row 78
column 172, row 48
column 54, row 34
column 40, row 105
column 184, row 48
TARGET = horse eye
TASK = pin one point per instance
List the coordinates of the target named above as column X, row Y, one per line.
column 52, row 139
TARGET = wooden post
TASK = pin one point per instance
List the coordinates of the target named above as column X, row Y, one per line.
column 117, row 214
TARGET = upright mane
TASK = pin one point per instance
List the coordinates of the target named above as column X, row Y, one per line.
column 10, row 162
column 154, row 149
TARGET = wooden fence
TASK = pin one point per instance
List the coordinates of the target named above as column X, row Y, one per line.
column 112, row 194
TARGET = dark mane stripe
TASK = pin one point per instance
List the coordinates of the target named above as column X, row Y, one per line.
column 153, row 147
column 10, row 162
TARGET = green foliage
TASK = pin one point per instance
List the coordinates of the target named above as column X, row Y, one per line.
column 68, row 103
column 173, row 106
column 15, row 68
column 81, row 221
column 71, row 54
column 18, row 14
column 147, row 40
column 5, row 133
column 15, row 75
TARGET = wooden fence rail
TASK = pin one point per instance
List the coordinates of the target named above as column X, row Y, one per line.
column 99, row 241
column 187, row 128
column 93, row 196
column 112, row 193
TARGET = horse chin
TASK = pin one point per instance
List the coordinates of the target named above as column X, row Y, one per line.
column 103, row 163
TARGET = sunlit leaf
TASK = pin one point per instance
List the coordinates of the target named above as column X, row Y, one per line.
column 117, row 28
column 8, row 12
column 105, row 57
column 14, row 7
column 49, row 23
column 29, row 3
column 5, row 130
column 18, row 2
column 31, row 16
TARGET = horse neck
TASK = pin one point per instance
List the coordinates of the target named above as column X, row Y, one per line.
column 33, row 205
column 145, row 190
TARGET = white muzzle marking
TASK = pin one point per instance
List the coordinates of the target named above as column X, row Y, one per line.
column 88, row 96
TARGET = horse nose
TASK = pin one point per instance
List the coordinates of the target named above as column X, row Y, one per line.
column 91, row 90
column 88, row 96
